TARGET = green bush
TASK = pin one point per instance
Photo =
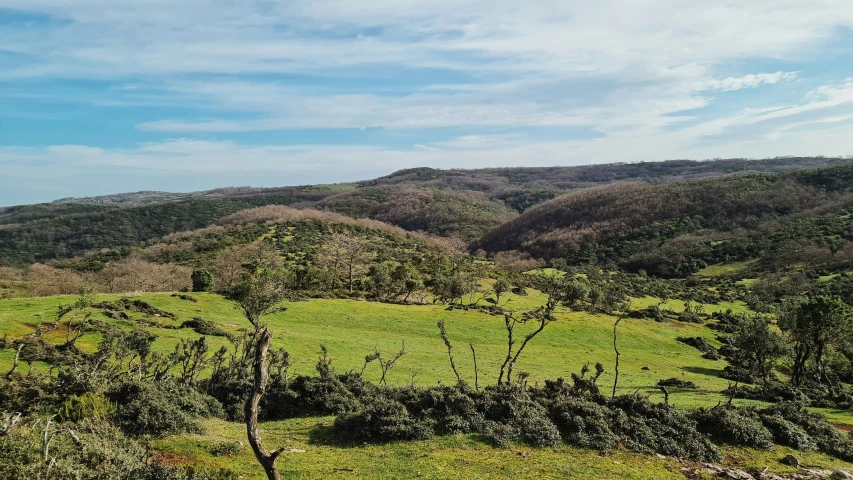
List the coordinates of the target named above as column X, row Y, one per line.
column 384, row 419
column 788, row 433
column 585, row 423
column 204, row 327
column 736, row 426
column 161, row 408
column 499, row 434
column 202, row 281
column 85, row 406
column 828, row 438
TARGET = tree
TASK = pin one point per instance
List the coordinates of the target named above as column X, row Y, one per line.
column 202, row 281
column 500, row 287
column 758, row 347
column 259, row 294
column 344, row 253
column 228, row 268
column 813, row 324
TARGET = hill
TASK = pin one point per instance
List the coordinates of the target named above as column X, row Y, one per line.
column 454, row 203
column 675, row 229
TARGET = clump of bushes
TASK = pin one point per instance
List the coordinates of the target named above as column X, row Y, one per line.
column 186, row 297
column 677, row 383
column 827, row 438
column 735, row 426
column 384, row 419
column 134, row 305
column 559, row 412
column 789, row 424
column 204, row 327
column 88, row 405
column 161, row 408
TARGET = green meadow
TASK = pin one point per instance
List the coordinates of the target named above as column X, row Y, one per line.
column 352, row 329
column 311, row 451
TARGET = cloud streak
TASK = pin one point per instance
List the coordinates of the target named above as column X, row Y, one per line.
column 443, row 82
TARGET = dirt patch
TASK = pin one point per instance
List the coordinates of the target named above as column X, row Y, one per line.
column 170, row 459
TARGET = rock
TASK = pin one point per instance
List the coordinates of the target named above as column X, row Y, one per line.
column 736, row 474
column 840, row 475
column 769, row 476
column 791, row 460
column 645, row 368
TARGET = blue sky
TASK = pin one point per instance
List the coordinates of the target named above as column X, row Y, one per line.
column 106, row 96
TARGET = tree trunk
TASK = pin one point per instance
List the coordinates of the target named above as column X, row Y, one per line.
column 616, row 367
column 17, row 358
column 266, row 460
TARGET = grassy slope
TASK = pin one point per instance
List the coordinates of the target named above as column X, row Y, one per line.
column 351, row 330
column 312, row 452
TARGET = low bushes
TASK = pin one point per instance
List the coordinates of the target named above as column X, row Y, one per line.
column 677, row 383
column 161, row 408
column 204, row 327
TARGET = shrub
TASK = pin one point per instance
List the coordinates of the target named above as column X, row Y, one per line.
column 88, row 405
column 700, row 344
column 512, row 405
column 325, row 394
column 788, row 433
column 499, row 434
column 161, row 408
column 98, row 450
column 384, row 419
column 736, row 426
column 677, row 382
column 225, row 449
column 204, row 327
column 656, row 427
column 452, row 408
column 585, row 423
column 827, row 437
column 202, row 281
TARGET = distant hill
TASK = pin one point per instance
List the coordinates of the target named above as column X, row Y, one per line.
column 453, row 203
column 675, row 229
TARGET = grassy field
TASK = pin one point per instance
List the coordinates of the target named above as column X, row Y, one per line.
column 352, row 329
column 312, row 452
column 726, row 269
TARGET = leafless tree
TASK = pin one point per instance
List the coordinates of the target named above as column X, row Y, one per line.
column 443, row 332
column 258, row 295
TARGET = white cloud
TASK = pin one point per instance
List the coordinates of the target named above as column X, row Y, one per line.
column 639, row 74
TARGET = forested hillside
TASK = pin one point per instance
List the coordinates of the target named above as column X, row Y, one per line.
column 675, row 229
column 453, row 203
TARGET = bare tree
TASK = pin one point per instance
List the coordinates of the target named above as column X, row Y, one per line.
column 386, row 365
column 228, row 268
column 443, row 332
column 542, row 315
column 624, row 311
column 344, row 253
column 257, row 295
column 476, row 372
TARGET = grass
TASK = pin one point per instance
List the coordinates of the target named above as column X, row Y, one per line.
column 352, row 329
column 312, row 452
column 727, row 269
column 678, row 305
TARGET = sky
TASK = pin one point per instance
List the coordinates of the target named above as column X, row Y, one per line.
column 107, row 96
